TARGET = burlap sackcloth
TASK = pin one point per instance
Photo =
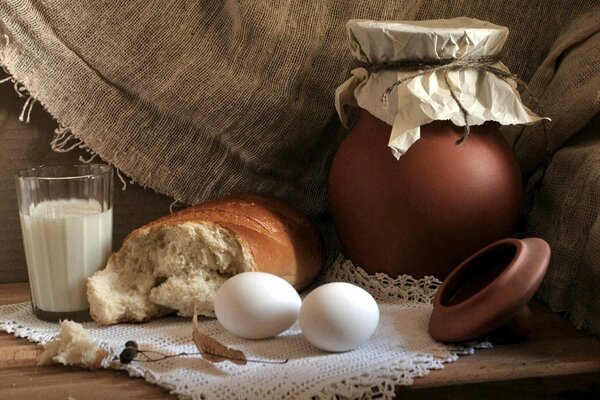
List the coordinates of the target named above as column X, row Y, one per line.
column 400, row 350
column 200, row 99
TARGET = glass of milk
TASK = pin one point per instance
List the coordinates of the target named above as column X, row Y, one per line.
column 66, row 221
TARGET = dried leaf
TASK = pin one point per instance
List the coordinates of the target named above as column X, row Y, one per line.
column 212, row 350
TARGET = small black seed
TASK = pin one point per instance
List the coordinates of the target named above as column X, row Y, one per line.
column 131, row 343
column 127, row 355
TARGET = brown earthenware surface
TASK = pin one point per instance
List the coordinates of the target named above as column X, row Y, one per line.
column 426, row 212
column 489, row 289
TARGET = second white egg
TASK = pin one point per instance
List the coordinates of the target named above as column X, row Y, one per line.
column 257, row 305
column 338, row 316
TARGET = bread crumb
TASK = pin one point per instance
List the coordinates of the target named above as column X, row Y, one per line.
column 74, row 346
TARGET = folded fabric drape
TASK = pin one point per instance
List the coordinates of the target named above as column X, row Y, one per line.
column 199, row 99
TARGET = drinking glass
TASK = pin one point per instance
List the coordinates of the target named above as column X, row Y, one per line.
column 66, row 222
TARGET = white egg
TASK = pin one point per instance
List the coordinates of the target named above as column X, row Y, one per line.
column 256, row 305
column 338, row 316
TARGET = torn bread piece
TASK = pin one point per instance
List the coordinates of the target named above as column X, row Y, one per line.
column 73, row 346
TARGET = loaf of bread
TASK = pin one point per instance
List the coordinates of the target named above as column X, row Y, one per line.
column 179, row 261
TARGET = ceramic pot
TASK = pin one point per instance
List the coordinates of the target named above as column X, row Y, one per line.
column 487, row 294
column 426, row 212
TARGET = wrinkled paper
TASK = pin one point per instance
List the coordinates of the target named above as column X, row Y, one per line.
column 426, row 98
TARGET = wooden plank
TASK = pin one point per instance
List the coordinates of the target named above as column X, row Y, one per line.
column 557, row 359
column 574, row 387
column 20, row 355
column 555, row 348
column 11, row 293
column 22, row 379
column 59, row 382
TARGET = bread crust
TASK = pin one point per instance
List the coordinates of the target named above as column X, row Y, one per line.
column 281, row 239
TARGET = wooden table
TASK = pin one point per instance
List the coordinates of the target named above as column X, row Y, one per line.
column 556, row 362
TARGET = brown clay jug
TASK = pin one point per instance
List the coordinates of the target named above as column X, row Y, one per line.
column 424, row 213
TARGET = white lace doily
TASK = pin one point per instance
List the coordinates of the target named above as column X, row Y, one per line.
column 400, row 349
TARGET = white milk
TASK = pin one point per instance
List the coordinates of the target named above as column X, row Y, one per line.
column 66, row 241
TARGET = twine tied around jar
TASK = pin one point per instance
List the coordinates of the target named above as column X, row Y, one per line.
column 427, row 66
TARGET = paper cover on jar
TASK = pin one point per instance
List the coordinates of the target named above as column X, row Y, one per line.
column 427, row 97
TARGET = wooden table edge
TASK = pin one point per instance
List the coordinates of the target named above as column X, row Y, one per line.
column 560, row 351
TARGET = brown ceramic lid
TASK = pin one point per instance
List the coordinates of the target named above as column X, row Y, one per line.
column 490, row 290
